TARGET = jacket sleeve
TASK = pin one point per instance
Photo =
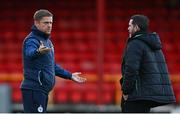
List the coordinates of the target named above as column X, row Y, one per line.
column 30, row 48
column 133, row 58
column 60, row 72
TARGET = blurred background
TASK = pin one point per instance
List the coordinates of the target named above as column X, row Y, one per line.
column 88, row 36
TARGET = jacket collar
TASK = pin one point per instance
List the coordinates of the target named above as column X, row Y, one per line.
column 39, row 33
column 137, row 34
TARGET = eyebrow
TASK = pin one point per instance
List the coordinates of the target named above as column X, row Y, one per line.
column 46, row 21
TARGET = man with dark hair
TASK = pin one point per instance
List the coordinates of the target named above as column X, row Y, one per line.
column 39, row 65
column 145, row 79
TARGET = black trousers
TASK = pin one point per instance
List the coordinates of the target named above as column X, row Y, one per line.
column 34, row 101
column 140, row 106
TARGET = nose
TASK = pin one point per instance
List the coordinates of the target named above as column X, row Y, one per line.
column 128, row 28
column 49, row 25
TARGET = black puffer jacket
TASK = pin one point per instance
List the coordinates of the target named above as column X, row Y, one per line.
column 144, row 70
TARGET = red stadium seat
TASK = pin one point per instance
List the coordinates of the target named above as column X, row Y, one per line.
column 16, row 92
column 91, row 97
column 61, row 95
column 76, row 96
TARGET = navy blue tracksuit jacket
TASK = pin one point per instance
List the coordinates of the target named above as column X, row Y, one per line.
column 40, row 69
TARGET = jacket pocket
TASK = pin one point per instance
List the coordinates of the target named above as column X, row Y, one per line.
column 39, row 77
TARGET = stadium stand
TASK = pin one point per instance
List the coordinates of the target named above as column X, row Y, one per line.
column 75, row 38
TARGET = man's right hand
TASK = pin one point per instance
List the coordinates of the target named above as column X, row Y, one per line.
column 43, row 49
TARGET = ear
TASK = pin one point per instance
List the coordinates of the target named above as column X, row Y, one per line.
column 36, row 22
column 137, row 28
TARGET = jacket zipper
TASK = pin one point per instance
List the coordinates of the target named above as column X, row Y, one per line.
column 136, row 86
column 39, row 77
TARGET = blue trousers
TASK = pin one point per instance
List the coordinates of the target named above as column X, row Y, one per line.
column 34, row 101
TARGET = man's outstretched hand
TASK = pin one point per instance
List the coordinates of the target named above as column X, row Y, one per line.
column 43, row 49
column 76, row 77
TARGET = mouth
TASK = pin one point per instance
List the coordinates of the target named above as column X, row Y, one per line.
column 49, row 30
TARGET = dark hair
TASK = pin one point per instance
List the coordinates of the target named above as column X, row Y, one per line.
column 141, row 21
column 39, row 14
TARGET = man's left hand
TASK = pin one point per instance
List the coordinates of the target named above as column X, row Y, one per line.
column 125, row 97
column 76, row 77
